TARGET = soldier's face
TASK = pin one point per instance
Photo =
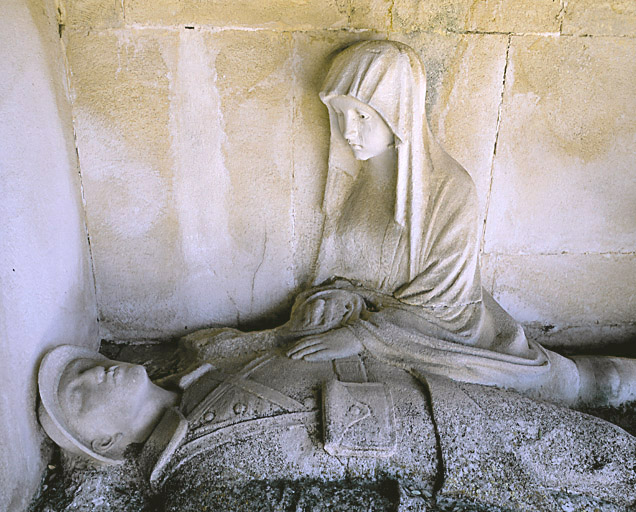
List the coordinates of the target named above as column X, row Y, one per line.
column 103, row 398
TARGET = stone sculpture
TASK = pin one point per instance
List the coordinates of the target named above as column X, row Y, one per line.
column 401, row 233
column 94, row 407
column 378, row 375
column 274, row 429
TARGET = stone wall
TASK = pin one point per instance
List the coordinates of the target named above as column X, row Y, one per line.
column 203, row 150
column 47, row 292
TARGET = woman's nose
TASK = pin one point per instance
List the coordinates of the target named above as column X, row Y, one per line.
column 350, row 131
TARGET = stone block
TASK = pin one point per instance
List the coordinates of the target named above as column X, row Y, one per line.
column 563, row 176
column 121, row 98
column 567, row 289
column 272, row 14
column 608, row 18
column 515, row 16
column 176, row 129
column 481, row 16
column 465, row 81
column 254, row 78
column 91, row 14
column 371, row 14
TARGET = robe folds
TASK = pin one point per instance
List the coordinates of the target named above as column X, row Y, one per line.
column 417, row 272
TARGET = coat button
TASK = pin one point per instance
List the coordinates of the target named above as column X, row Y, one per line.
column 209, row 416
column 239, row 408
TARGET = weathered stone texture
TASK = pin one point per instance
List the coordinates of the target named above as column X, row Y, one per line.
column 567, row 289
column 121, row 99
column 93, row 14
column 465, row 75
column 550, row 446
column 488, row 266
column 256, row 94
column 371, row 14
column 271, row 14
column 468, row 15
column 174, row 128
column 563, row 175
column 595, row 17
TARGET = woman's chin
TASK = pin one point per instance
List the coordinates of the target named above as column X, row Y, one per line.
column 364, row 154
column 361, row 156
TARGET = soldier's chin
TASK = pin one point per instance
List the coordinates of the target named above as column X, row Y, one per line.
column 134, row 374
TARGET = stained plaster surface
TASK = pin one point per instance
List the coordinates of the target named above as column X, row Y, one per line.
column 46, row 286
column 203, row 150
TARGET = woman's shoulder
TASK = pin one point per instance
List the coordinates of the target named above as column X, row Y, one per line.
column 451, row 177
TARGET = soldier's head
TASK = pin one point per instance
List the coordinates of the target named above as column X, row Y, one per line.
column 95, row 407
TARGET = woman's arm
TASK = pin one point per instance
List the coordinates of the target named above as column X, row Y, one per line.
column 322, row 319
column 339, row 322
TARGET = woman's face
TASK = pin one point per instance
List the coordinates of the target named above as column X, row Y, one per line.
column 362, row 127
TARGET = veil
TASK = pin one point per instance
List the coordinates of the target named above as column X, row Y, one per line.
column 435, row 199
column 387, row 76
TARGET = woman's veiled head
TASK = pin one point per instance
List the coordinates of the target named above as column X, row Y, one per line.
column 386, row 75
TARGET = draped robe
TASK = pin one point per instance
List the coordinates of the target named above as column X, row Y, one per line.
column 417, row 271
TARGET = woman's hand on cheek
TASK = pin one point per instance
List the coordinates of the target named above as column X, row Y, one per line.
column 335, row 344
